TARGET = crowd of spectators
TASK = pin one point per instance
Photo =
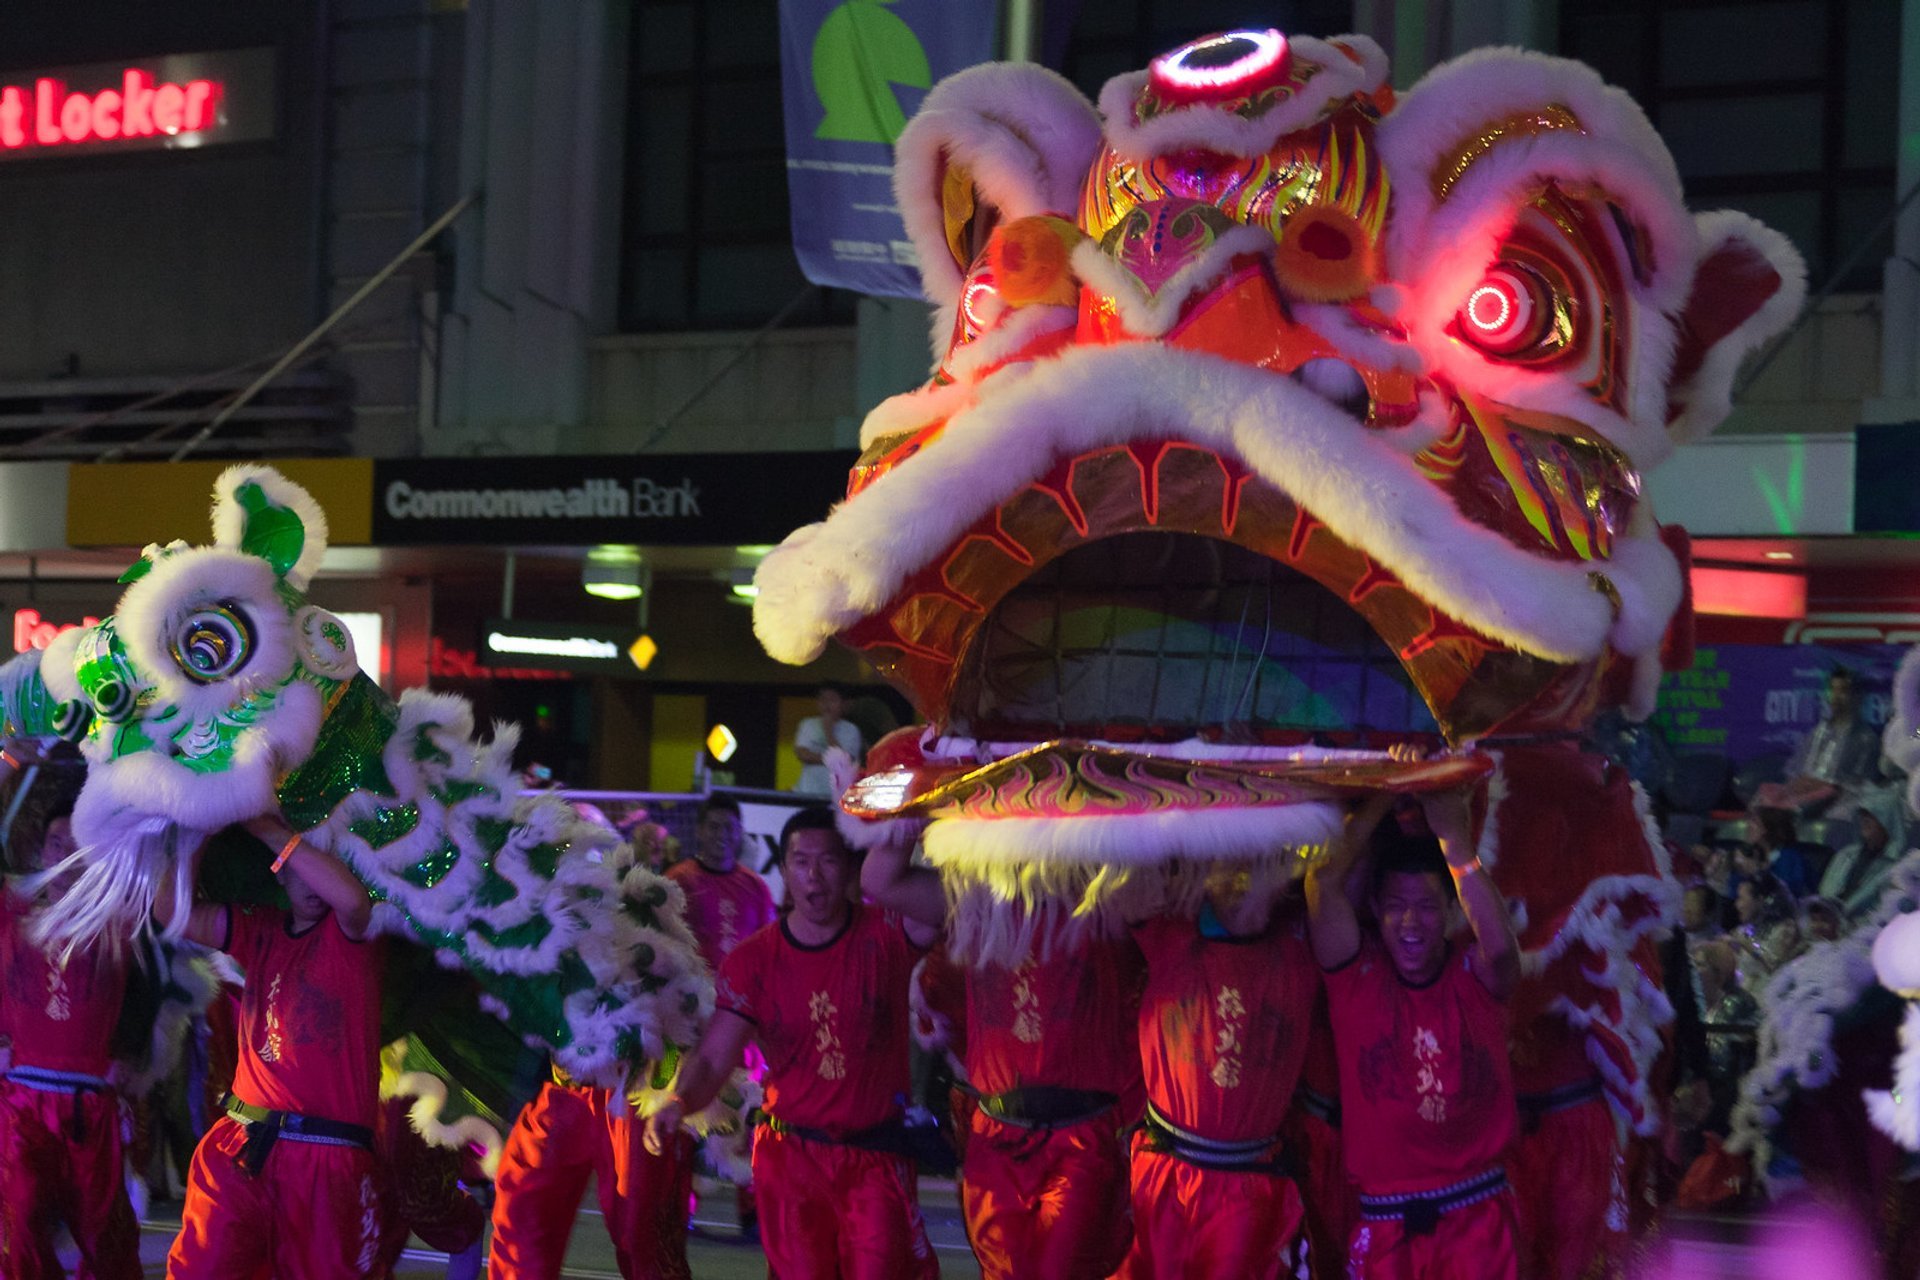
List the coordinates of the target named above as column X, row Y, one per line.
column 1801, row 862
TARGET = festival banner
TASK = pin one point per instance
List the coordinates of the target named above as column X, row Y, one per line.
column 1747, row 701
column 852, row 74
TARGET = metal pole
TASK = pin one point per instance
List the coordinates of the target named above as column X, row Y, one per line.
column 506, row 587
column 340, row 312
column 1023, row 30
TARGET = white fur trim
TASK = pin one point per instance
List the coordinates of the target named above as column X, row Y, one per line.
column 230, row 518
column 56, row 667
column 1707, row 398
column 429, row 1094
column 827, row 576
column 1900, row 742
column 1144, row 839
column 1459, row 98
column 1024, row 133
column 1798, row 1008
column 1897, row 1114
column 153, row 609
column 145, row 783
column 1019, row 328
column 912, row 410
column 1209, row 128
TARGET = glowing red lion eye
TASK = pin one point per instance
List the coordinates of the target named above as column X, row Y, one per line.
column 1505, row 312
column 1220, row 67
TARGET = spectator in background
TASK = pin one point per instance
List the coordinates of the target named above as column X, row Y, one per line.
column 1822, row 920
column 1769, row 933
column 1700, row 909
column 1777, row 837
column 1832, row 760
column 1859, row 871
column 1730, row 1019
column 817, row 735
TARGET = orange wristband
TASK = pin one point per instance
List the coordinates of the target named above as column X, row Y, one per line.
column 1462, row 872
column 286, row 851
column 11, row 759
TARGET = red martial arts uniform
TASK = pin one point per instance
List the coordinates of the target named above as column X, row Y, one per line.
column 1313, row 1134
column 59, row 1118
column 1567, row 1167
column 1427, row 1111
column 1051, row 1049
column 309, row 1047
column 723, row 907
column 836, row 1198
column 1223, row 1031
column 565, row 1134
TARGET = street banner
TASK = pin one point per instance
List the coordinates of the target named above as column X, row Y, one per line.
column 852, row 74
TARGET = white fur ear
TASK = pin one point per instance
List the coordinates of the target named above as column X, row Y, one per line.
column 57, row 665
column 1749, row 286
column 275, row 519
column 1024, row 135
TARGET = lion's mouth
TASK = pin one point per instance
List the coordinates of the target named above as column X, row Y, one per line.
column 1155, row 672
column 1152, row 637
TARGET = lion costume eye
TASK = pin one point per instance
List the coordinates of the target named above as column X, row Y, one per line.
column 1508, row 312
column 113, row 700
column 212, row 643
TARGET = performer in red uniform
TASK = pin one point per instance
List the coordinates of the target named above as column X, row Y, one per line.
column 825, row 995
column 1568, row 1167
column 1420, row 1030
column 284, row 1181
column 60, row 1158
column 1223, row 1031
column 1313, row 1134
column 571, row 1131
column 1050, row 1049
column 725, row 903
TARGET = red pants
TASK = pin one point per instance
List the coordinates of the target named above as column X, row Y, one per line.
column 562, row 1137
column 1046, row 1204
column 1570, row 1192
column 829, row 1212
column 1475, row 1242
column 312, row 1212
column 47, row 1176
column 1331, row 1209
column 1200, row 1224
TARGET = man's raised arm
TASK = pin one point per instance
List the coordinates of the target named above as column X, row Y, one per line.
column 1331, row 920
column 1496, row 953
column 889, row 877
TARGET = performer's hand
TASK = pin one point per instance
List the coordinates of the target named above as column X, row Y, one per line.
column 662, row 1127
column 269, row 829
column 1450, row 817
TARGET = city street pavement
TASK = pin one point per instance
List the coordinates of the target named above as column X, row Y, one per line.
column 716, row 1250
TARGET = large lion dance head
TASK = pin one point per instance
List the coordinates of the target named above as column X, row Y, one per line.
column 1277, row 420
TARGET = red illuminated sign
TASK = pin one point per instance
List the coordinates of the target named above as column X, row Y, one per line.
column 183, row 100
column 31, row 631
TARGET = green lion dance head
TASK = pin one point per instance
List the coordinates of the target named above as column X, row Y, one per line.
column 217, row 692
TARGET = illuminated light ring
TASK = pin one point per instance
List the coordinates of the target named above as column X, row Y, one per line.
column 1185, row 76
column 986, row 293
column 1503, row 313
